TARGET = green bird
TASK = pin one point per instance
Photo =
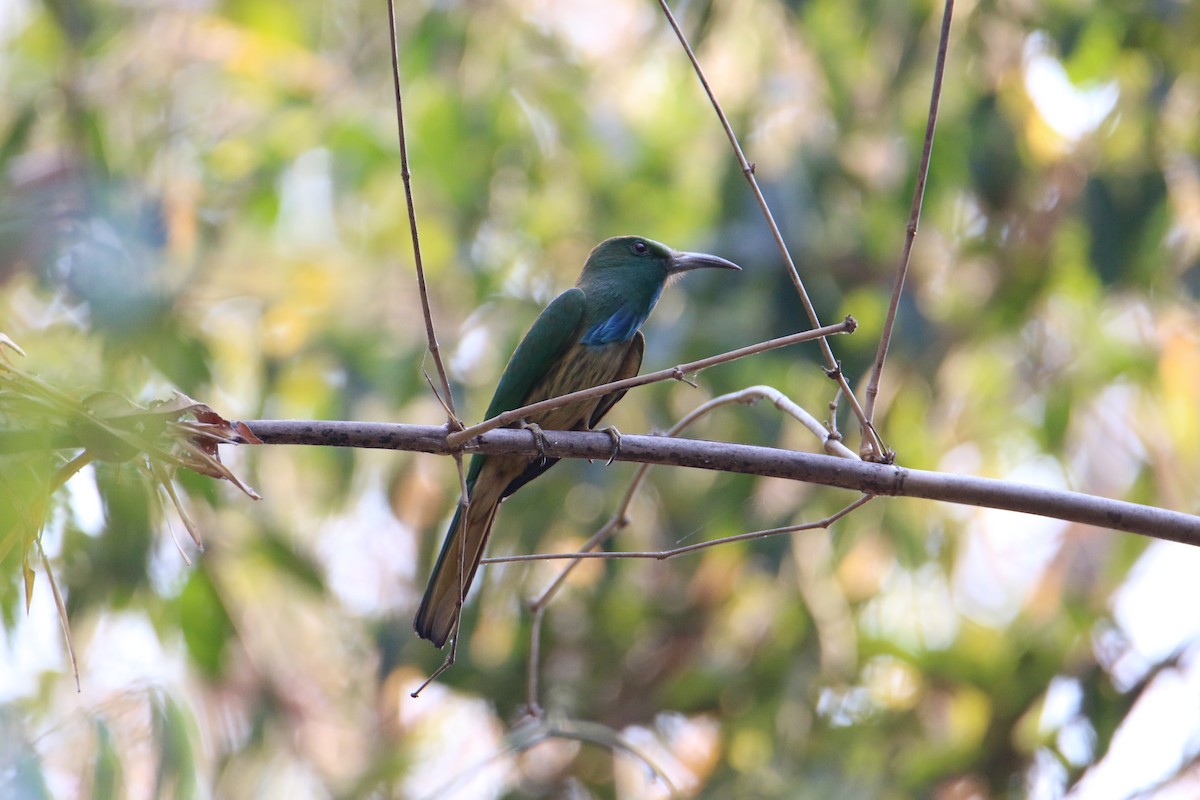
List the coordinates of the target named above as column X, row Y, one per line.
column 590, row 335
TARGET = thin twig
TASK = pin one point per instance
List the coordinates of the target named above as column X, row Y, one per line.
column 533, row 706
column 910, row 233
column 833, row 368
column 663, row 555
column 448, row 661
column 446, row 396
column 671, row 373
column 464, row 499
column 831, row 440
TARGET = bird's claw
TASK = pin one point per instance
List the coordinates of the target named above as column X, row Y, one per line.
column 539, row 437
column 615, row 435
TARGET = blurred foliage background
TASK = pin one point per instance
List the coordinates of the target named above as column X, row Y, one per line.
column 207, row 196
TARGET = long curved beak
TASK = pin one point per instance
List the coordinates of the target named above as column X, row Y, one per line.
column 685, row 262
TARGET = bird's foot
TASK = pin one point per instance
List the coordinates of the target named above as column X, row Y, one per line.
column 539, row 437
column 615, row 435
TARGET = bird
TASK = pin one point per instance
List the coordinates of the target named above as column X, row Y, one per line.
column 588, row 336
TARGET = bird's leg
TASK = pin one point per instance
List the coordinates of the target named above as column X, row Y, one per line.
column 615, row 435
column 539, row 437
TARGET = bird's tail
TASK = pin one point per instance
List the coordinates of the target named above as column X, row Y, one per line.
column 455, row 568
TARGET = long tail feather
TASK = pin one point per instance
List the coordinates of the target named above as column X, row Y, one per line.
column 455, row 569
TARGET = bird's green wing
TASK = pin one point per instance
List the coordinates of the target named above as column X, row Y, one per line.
column 555, row 329
column 552, row 333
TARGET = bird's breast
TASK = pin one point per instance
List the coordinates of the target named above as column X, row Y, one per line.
column 581, row 367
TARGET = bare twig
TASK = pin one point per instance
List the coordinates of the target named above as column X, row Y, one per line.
column 831, row 440
column 533, row 705
column 663, row 555
column 448, row 661
column 671, row 373
column 833, row 368
column 914, row 215
column 446, row 396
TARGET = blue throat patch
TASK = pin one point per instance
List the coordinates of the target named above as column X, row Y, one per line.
column 623, row 323
column 620, row 327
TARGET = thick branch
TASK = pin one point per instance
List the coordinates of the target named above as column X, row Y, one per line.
column 866, row 477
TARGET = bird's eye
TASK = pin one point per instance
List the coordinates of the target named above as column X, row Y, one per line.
column 640, row 248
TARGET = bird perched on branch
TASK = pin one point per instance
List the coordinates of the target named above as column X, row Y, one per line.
column 587, row 337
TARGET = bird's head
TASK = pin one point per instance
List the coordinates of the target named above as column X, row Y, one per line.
column 623, row 278
column 636, row 260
